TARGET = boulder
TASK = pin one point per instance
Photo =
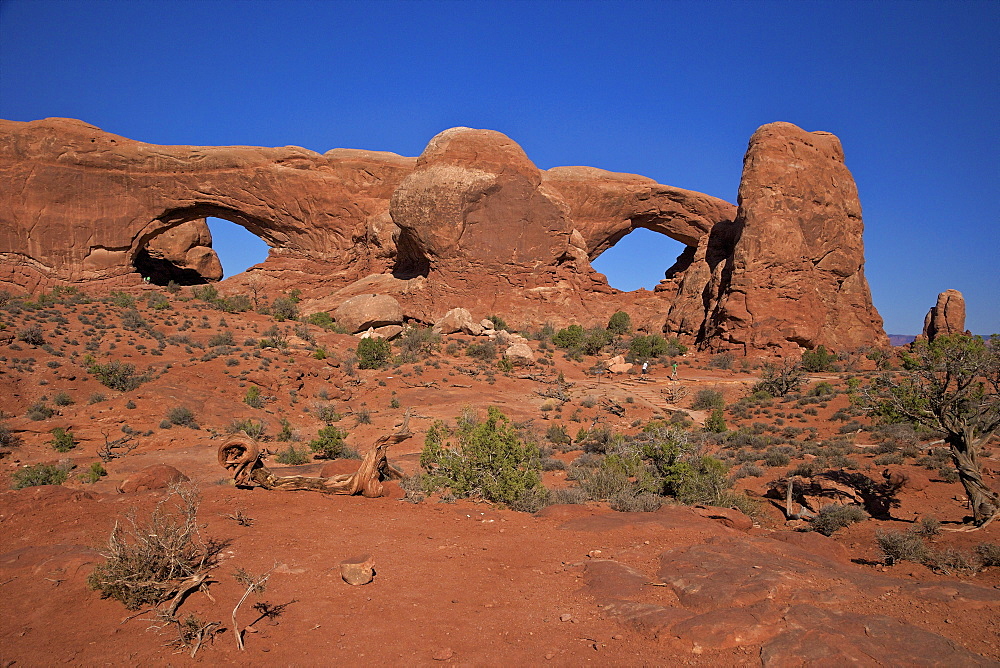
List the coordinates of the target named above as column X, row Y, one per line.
column 183, row 254
column 617, row 364
column 385, row 332
column 157, row 476
column 358, row 570
column 363, row 311
column 457, row 320
column 519, row 353
column 947, row 316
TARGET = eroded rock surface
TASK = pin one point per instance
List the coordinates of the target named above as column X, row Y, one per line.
column 794, row 599
column 182, row 254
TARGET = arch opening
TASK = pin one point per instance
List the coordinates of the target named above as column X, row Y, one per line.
column 642, row 258
column 198, row 245
column 237, row 247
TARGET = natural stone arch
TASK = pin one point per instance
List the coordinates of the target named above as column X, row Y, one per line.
column 671, row 255
column 177, row 245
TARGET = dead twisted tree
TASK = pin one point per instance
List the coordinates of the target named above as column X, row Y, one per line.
column 243, row 458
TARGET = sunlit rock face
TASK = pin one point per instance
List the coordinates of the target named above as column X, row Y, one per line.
column 470, row 223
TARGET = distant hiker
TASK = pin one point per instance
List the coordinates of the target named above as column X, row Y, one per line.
column 673, row 372
column 645, row 368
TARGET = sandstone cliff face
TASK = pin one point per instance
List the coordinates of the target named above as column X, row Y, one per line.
column 947, row 316
column 472, row 222
column 797, row 269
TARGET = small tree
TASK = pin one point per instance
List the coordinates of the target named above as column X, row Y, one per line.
column 818, row 360
column 779, row 379
column 329, row 443
column 620, row 323
column 951, row 385
column 373, row 353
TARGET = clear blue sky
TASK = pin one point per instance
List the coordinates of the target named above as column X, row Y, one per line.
column 670, row 90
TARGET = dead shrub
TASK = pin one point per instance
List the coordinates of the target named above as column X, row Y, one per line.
column 149, row 561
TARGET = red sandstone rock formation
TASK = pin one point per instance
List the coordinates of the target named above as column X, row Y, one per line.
column 945, row 317
column 797, row 273
column 78, row 203
column 183, row 254
column 472, row 222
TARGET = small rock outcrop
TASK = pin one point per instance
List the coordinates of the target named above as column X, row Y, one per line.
column 945, row 317
column 368, row 311
column 157, row 476
column 457, row 320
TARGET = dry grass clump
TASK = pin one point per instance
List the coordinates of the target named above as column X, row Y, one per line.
column 151, row 560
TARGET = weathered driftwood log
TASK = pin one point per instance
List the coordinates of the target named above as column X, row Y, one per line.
column 242, row 457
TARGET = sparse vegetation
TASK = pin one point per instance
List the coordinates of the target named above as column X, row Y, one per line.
column 708, row 400
column 834, row 517
column 253, row 398
column 818, row 360
column 953, row 385
column 292, row 456
column 182, row 416
column 117, row 375
column 620, row 323
column 329, row 444
column 62, row 440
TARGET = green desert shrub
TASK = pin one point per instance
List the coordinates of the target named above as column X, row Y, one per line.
column 716, row 422
column 224, row 338
column 373, row 353
column 253, row 428
column 417, row 343
column 834, row 517
column 901, row 546
column 8, row 439
column 117, row 375
column 39, row 474
column 486, row 459
column 94, row 473
column 62, row 440
column 329, row 444
column 39, row 411
column 292, row 456
column 62, row 399
column 708, row 400
column 182, row 416
column 620, row 323
column 253, row 397
column 569, row 337
column 485, row 351
column 818, row 360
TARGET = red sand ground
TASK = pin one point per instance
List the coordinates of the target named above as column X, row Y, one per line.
column 465, row 582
